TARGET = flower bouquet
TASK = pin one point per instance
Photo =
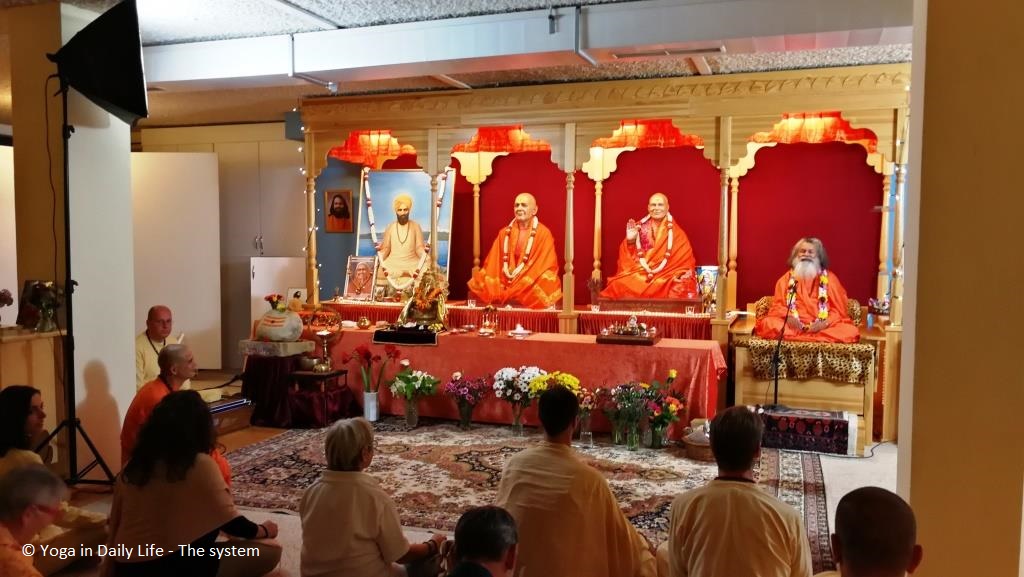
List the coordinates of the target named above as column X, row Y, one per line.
column 544, row 381
column 467, row 393
column 589, row 400
column 5, row 298
column 626, row 406
column 367, row 359
column 276, row 301
column 513, row 385
column 411, row 385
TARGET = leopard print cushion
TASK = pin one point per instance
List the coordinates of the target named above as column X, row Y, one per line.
column 840, row 362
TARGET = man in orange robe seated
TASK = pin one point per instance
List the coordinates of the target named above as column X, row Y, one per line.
column 655, row 259
column 818, row 310
column 177, row 365
column 521, row 268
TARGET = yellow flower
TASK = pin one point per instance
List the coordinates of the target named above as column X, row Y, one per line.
column 672, row 373
column 645, row 385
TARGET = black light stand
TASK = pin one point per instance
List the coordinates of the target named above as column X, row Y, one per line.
column 71, row 422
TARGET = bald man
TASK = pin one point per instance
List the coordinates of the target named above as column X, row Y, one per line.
column 876, row 535
column 402, row 247
column 150, row 342
column 177, row 366
column 521, row 268
column 655, row 259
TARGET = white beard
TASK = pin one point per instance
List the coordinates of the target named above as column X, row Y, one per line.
column 806, row 270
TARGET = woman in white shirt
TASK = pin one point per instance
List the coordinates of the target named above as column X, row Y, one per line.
column 350, row 526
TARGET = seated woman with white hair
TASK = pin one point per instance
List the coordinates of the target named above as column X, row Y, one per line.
column 350, row 526
column 30, row 499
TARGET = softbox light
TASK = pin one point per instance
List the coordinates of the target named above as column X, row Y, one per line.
column 104, row 62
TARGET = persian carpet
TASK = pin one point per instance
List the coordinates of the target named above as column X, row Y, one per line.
column 436, row 471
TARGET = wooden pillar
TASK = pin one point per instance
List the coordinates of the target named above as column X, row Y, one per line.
column 476, row 167
column 884, row 247
column 730, row 298
column 598, row 192
column 719, row 324
column 312, row 270
column 568, row 319
column 434, row 210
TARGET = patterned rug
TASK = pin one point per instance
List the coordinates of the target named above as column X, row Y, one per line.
column 436, row 471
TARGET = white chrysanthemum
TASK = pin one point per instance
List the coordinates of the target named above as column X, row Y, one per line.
column 498, row 392
column 516, row 397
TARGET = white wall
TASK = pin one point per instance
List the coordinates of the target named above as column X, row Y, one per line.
column 8, row 238
column 100, row 213
column 177, row 246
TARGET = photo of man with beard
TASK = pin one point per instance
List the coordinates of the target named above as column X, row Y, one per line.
column 402, row 245
column 339, row 217
column 809, row 300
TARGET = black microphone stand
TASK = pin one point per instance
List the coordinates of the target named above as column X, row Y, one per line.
column 777, row 358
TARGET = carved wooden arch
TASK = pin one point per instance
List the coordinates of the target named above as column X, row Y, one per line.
column 810, row 128
column 476, row 158
column 604, row 153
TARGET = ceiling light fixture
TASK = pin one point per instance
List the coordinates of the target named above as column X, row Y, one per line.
column 669, row 52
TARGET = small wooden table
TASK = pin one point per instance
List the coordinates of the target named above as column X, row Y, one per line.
column 327, row 383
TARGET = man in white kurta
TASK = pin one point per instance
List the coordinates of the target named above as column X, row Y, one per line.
column 570, row 524
column 731, row 526
column 150, row 342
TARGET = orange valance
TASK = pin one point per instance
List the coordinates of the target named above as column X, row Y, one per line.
column 502, row 139
column 817, row 127
column 370, row 148
column 650, row 133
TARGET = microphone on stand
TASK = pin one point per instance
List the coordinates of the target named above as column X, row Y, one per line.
column 777, row 358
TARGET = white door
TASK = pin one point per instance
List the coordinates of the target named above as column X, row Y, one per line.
column 272, row 274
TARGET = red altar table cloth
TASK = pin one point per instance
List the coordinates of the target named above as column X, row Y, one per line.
column 671, row 325
column 700, row 366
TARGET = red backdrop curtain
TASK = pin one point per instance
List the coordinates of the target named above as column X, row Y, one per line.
column 796, row 190
column 684, row 175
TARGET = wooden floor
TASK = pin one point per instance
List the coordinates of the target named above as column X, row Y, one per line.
column 247, row 436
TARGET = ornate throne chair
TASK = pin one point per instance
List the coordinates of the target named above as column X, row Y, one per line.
column 822, row 376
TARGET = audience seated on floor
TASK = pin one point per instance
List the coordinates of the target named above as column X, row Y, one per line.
column 485, row 543
column 569, row 522
column 350, row 525
column 730, row 526
column 876, row 535
column 21, row 419
column 177, row 366
column 30, row 498
column 171, row 493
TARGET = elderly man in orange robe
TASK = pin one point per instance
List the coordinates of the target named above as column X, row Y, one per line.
column 177, row 365
column 521, row 268
column 655, row 259
column 809, row 300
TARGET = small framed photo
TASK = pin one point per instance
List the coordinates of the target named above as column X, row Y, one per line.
column 360, row 277
column 338, row 213
column 296, row 293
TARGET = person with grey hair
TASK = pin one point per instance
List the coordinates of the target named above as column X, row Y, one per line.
column 30, row 499
column 485, row 543
column 809, row 301
column 876, row 535
column 177, row 365
column 731, row 513
column 350, row 525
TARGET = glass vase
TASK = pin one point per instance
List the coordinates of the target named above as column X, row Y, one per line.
column 633, row 436
column 618, row 437
column 658, row 436
column 412, row 413
column 465, row 415
column 586, row 435
column 517, row 420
